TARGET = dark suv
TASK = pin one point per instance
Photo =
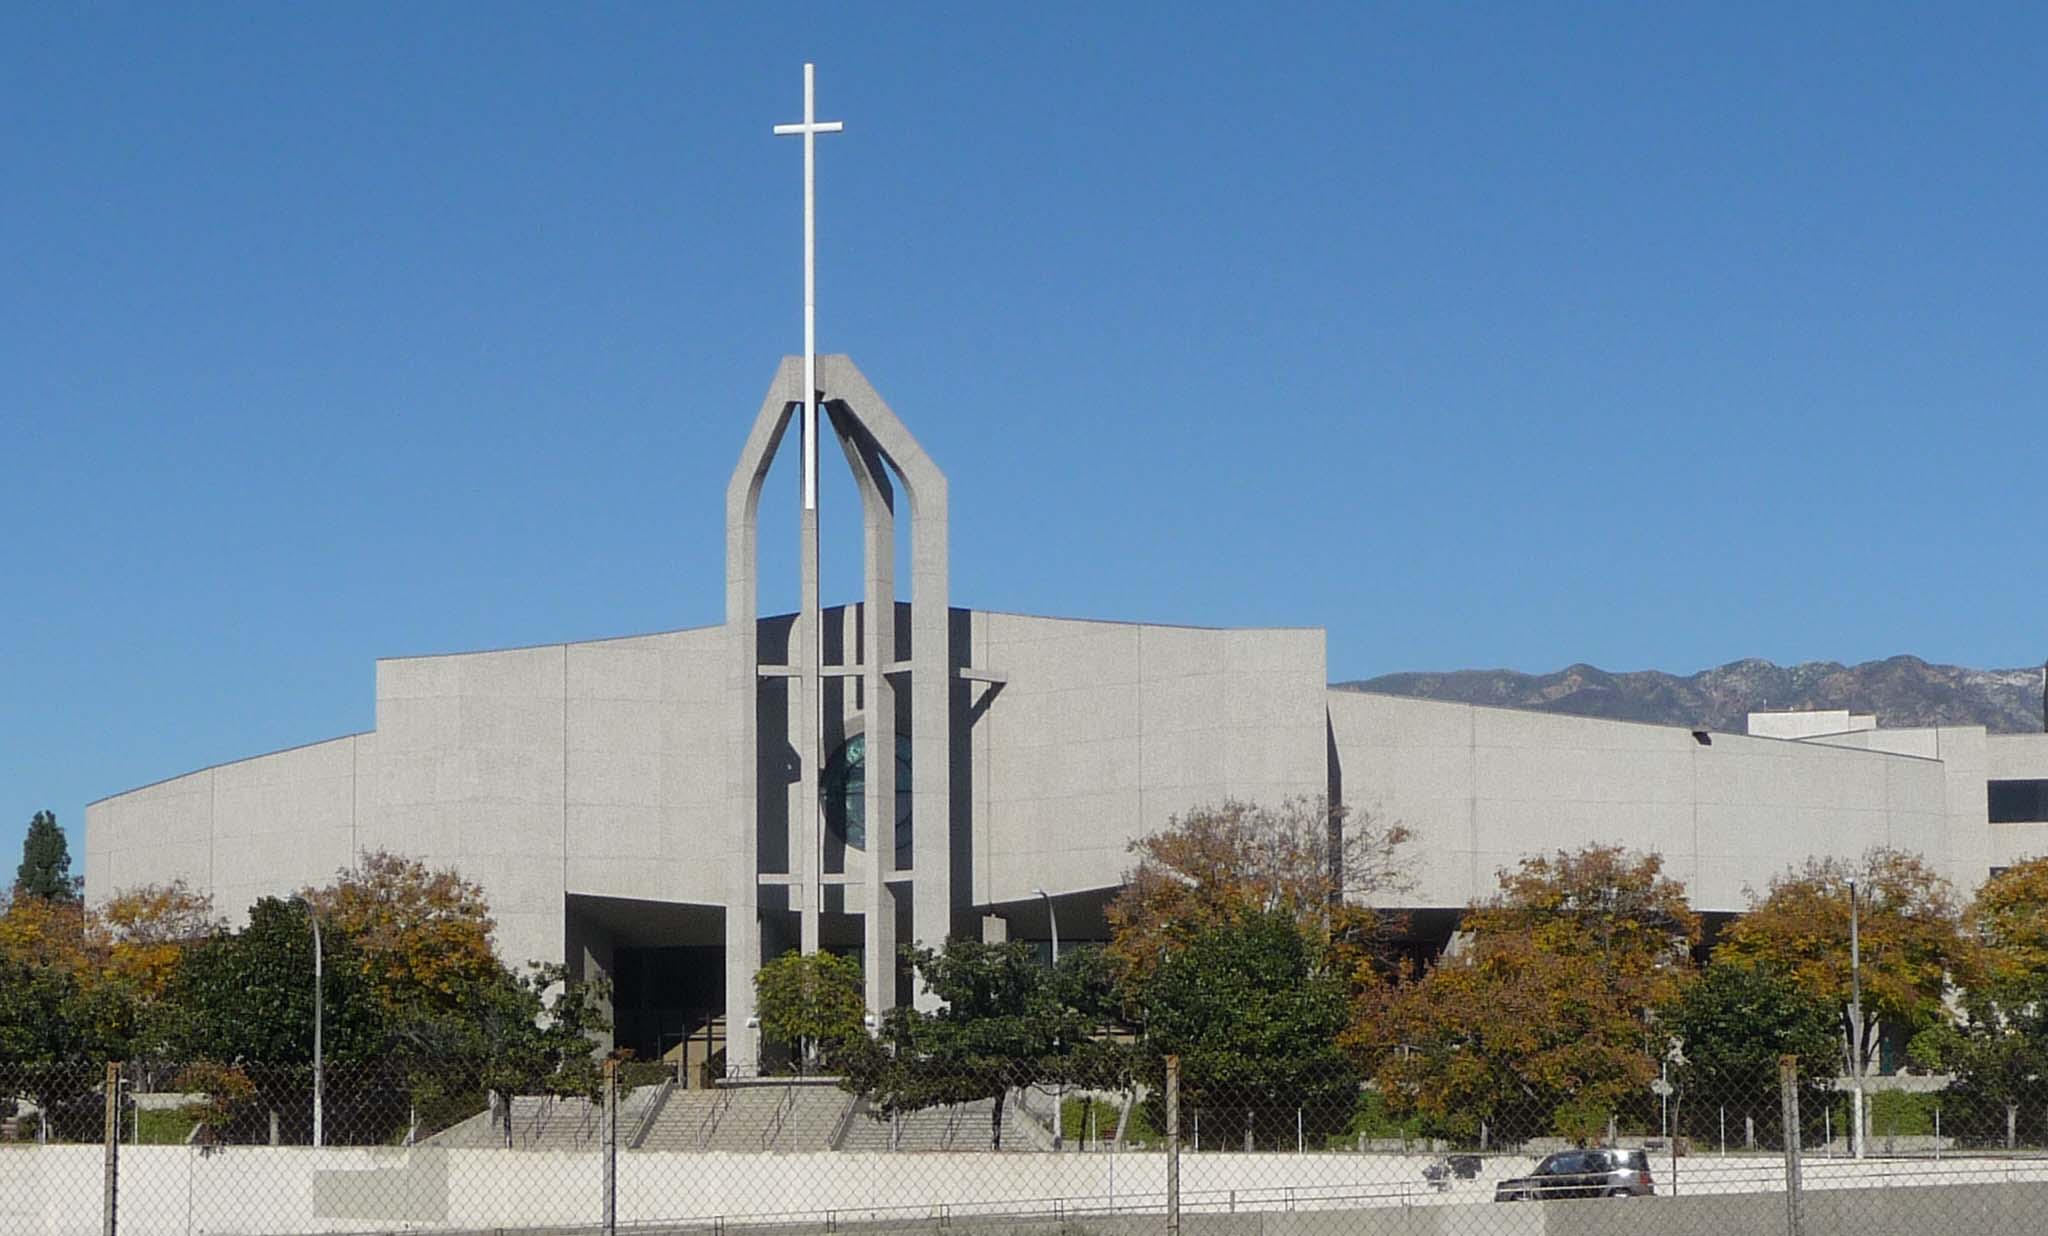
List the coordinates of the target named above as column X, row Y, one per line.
column 1582, row 1173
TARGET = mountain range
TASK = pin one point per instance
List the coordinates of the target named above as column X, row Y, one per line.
column 1902, row 691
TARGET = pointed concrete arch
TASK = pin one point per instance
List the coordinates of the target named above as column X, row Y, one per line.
column 876, row 443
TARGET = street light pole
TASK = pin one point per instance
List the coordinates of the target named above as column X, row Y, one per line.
column 319, row 1018
column 1855, row 1025
column 1059, row 1102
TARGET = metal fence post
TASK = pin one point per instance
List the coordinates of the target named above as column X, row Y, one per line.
column 1788, row 1099
column 608, row 1129
column 111, row 1196
column 1173, row 1146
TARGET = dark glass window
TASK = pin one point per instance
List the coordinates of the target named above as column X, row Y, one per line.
column 2019, row 802
column 844, row 791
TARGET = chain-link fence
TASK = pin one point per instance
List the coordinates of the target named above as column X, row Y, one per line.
column 207, row 1148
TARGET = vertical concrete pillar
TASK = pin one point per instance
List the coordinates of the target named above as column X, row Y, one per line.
column 806, row 849
column 743, row 689
column 877, row 650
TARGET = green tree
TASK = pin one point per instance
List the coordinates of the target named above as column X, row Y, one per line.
column 1004, row 1021
column 1733, row 1024
column 45, row 869
column 246, row 998
column 248, row 995
column 811, row 1002
column 1998, row 1060
column 1254, row 1010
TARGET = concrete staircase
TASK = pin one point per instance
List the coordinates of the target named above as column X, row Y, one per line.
column 780, row 1116
column 750, row 1117
column 959, row 1127
column 546, row 1122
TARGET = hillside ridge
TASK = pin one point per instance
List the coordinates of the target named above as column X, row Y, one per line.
column 1903, row 691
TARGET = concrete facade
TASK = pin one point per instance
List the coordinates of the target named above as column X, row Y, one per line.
column 690, row 803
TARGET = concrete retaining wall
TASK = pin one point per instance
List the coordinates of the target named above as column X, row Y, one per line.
column 169, row 1190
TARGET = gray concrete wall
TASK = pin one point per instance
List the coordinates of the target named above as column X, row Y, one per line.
column 1105, row 731
column 2016, row 757
column 470, row 771
column 179, row 1189
column 646, row 765
column 1964, row 849
column 1481, row 788
column 256, row 827
column 592, row 768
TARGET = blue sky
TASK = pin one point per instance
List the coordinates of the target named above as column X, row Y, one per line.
column 1480, row 335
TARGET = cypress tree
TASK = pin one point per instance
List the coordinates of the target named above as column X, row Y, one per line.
column 45, row 862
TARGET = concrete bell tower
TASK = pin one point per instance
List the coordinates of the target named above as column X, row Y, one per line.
column 802, row 686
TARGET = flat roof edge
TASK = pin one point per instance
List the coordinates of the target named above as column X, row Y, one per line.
column 1652, row 725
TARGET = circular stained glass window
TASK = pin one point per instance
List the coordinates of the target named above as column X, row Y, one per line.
column 843, row 791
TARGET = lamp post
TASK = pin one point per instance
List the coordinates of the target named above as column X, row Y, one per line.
column 319, row 1017
column 1855, row 1026
column 1059, row 1101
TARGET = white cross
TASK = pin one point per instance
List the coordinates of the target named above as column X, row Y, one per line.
column 809, row 130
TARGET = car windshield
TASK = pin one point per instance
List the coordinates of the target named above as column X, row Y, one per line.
column 1636, row 1160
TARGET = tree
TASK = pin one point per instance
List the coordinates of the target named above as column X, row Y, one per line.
column 248, row 996
column 1254, row 1010
column 1997, row 1058
column 1547, row 1020
column 45, row 869
column 421, row 938
column 1996, row 1048
column 459, row 1022
column 1004, row 1021
column 1911, row 932
column 1737, row 1020
column 1733, row 1024
column 54, row 1003
column 2010, row 919
column 1323, row 866
column 810, row 1001
column 143, row 935
column 64, row 1004
column 81, row 981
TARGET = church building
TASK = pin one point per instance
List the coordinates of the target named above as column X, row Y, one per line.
column 671, row 810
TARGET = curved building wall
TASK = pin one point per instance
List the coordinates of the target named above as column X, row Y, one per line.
column 253, row 828
column 537, row 772
column 1481, row 788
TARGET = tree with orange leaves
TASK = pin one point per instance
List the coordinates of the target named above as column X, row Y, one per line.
column 143, row 935
column 88, row 977
column 1545, row 1020
column 2010, row 919
column 1214, row 866
column 421, row 936
column 1913, row 943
